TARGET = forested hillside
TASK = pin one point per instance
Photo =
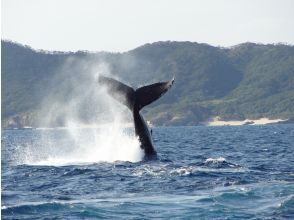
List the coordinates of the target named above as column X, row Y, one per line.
column 245, row 81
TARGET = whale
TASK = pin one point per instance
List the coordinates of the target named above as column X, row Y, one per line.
column 135, row 100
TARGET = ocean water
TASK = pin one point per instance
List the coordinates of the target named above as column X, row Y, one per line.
column 240, row 172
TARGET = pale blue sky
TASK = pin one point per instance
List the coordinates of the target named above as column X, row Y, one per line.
column 121, row 25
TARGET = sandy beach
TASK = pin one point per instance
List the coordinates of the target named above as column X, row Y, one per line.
column 216, row 121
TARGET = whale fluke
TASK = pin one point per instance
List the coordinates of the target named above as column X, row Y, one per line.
column 135, row 100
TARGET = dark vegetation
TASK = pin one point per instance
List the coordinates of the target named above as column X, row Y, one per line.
column 245, row 81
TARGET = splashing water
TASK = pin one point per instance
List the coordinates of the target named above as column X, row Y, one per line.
column 72, row 146
column 74, row 101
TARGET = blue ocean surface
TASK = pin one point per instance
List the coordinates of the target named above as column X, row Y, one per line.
column 237, row 172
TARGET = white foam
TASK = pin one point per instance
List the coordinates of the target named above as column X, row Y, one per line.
column 163, row 170
column 215, row 160
column 84, row 146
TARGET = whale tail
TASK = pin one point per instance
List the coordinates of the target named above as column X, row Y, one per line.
column 135, row 99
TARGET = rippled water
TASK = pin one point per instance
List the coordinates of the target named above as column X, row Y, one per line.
column 201, row 173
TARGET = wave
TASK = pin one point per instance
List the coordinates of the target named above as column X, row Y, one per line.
column 215, row 160
column 164, row 170
column 219, row 162
column 33, row 207
column 287, row 202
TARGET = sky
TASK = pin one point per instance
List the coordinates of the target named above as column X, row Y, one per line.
column 122, row 25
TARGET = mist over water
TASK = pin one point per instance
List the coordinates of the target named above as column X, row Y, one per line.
column 76, row 146
column 95, row 127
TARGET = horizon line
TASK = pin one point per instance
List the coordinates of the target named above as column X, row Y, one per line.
column 166, row 41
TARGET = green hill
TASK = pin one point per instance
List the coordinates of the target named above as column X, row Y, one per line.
column 245, row 81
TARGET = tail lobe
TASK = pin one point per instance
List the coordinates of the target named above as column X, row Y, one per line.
column 119, row 91
column 148, row 94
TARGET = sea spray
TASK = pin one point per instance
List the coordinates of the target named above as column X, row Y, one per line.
column 108, row 143
column 91, row 125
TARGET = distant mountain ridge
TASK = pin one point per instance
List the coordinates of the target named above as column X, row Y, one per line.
column 245, row 81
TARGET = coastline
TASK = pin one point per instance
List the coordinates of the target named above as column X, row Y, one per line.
column 216, row 121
